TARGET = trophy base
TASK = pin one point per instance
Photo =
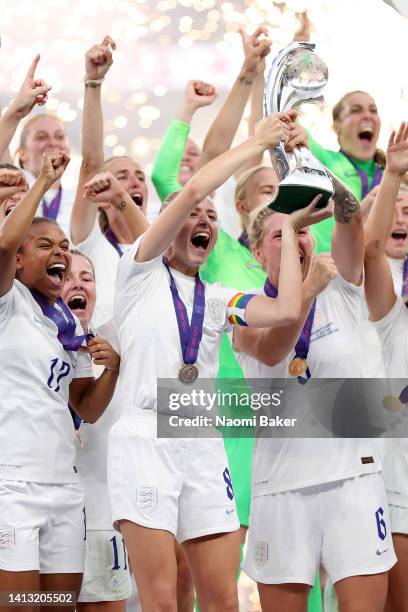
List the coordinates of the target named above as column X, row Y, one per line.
column 292, row 197
column 298, row 188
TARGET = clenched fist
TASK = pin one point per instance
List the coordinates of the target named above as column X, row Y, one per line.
column 321, row 272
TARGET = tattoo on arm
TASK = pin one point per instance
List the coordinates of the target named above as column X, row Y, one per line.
column 345, row 204
column 245, row 81
column 120, row 205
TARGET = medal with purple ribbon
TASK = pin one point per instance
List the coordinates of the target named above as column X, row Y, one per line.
column 190, row 335
column 51, row 210
column 365, row 188
column 298, row 366
column 64, row 321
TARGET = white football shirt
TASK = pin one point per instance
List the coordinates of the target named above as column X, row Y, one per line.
column 36, row 430
column 147, row 327
column 105, row 259
column 392, row 331
column 92, row 452
column 283, row 464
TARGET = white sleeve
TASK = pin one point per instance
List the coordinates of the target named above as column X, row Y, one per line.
column 108, row 332
column 7, row 303
column 392, row 331
column 131, row 274
column 349, row 298
column 90, row 245
column 83, row 366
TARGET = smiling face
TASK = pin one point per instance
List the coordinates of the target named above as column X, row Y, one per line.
column 195, row 240
column 257, row 190
column 268, row 249
column 79, row 290
column 44, row 260
column 397, row 242
column 44, row 133
column 357, row 125
column 189, row 161
column 8, row 205
column 132, row 178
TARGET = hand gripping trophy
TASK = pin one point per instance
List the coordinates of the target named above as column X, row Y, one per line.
column 297, row 75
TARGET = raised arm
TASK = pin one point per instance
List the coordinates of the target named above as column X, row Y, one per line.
column 162, row 232
column 16, row 225
column 285, row 309
column 32, row 91
column 97, row 63
column 165, row 174
column 90, row 397
column 221, row 133
column 270, row 346
column 379, row 286
column 348, row 234
column 105, row 188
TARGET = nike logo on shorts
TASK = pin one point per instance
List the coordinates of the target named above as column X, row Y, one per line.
column 381, row 552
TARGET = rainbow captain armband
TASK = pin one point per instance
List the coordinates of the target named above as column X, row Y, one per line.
column 236, row 308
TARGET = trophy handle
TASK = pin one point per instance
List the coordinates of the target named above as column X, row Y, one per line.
column 284, row 163
column 280, row 161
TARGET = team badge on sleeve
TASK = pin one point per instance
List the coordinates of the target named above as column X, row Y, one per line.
column 216, row 309
column 236, row 308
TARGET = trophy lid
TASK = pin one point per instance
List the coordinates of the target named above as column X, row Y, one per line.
column 297, row 75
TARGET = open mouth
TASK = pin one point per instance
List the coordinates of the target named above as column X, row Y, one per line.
column 200, row 241
column 56, row 272
column 77, row 303
column 366, row 134
column 399, row 236
column 137, row 198
column 9, row 209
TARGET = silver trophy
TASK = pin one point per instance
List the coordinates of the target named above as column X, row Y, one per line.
column 297, row 75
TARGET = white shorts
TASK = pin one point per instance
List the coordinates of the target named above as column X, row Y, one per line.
column 106, row 576
column 42, row 527
column 179, row 485
column 398, row 519
column 344, row 525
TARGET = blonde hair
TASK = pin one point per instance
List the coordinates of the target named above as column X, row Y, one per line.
column 256, row 230
column 25, row 131
column 241, row 190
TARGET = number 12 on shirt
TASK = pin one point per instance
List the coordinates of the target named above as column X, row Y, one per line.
column 58, row 369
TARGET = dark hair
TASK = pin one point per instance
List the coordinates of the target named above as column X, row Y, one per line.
column 38, row 221
column 103, row 220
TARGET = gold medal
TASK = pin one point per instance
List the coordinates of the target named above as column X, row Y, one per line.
column 297, row 366
column 188, row 373
column 391, row 403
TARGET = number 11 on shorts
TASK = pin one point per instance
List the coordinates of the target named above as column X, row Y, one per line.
column 116, row 564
